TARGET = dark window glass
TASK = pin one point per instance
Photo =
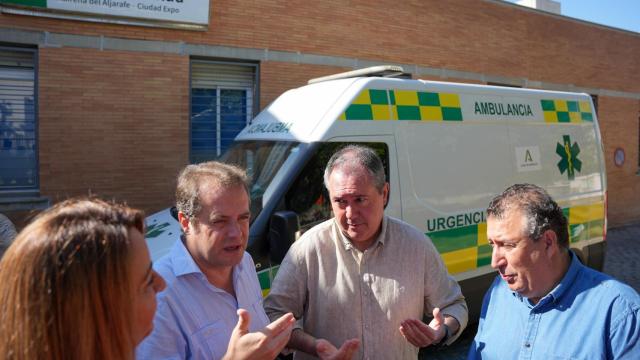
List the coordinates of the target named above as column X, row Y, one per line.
column 203, row 125
column 308, row 197
column 213, row 125
column 18, row 143
column 262, row 160
column 233, row 115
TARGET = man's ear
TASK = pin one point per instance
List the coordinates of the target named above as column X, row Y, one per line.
column 184, row 222
column 550, row 239
column 385, row 193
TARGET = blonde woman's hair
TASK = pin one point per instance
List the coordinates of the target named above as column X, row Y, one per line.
column 65, row 291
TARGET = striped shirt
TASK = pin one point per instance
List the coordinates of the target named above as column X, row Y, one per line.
column 341, row 293
column 195, row 319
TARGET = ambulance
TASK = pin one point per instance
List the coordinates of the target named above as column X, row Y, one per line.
column 448, row 149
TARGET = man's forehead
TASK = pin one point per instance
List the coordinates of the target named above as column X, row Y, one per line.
column 351, row 173
column 218, row 196
column 510, row 211
column 212, row 185
column 511, row 221
column 209, row 183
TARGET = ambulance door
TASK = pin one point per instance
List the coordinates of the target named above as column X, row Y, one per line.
column 450, row 171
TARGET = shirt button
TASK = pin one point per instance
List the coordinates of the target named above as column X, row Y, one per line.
column 527, row 345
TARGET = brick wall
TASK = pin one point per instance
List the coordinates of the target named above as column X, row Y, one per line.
column 114, row 124
column 278, row 77
column 478, row 36
column 619, row 127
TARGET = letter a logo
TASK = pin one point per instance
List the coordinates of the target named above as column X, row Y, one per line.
column 527, row 157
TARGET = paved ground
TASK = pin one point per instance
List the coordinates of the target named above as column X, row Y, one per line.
column 622, row 261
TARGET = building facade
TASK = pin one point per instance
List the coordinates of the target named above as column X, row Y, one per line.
column 117, row 109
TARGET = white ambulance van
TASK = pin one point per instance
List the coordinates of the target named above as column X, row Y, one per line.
column 447, row 148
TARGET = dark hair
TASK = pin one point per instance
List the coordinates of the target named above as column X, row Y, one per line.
column 192, row 177
column 541, row 211
column 357, row 156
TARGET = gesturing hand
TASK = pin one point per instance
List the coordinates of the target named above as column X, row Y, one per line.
column 420, row 334
column 265, row 344
column 326, row 351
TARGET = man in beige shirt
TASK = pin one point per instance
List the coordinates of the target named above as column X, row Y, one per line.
column 360, row 283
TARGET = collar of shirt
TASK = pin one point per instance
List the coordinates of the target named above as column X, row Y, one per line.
column 347, row 243
column 184, row 264
column 560, row 289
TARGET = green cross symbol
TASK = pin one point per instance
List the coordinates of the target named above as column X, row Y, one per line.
column 569, row 157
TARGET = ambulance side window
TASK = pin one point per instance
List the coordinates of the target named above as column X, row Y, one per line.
column 308, row 197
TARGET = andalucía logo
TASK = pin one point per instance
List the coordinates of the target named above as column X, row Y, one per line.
column 569, row 157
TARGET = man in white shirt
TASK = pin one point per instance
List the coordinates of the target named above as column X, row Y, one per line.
column 362, row 281
column 212, row 286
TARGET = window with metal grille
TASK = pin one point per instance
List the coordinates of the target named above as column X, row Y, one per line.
column 18, row 130
column 222, row 104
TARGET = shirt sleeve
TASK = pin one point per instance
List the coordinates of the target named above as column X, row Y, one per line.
column 289, row 288
column 625, row 336
column 166, row 341
column 475, row 349
column 443, row 291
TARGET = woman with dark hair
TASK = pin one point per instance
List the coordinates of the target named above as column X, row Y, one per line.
column 77, row 283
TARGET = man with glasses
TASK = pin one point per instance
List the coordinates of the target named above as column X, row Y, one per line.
column 545, row 304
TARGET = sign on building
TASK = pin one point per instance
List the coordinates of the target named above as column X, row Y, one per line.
column 187, row 14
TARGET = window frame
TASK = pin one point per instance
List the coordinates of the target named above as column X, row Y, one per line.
column 252, row 101
column 33, row 190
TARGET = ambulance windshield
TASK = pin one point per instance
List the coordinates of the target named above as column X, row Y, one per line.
column 262, row 160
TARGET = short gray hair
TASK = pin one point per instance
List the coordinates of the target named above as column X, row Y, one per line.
column 542, row 213
column 352, row 156
column 193, row 176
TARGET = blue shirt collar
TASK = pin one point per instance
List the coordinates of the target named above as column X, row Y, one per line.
column 569, row 277
column 562, row 287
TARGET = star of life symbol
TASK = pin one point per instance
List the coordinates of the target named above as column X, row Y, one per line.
column 569, row 157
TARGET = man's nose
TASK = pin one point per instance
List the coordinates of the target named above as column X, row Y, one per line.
column 234, row 229
column 349, row 211
column 497, row 259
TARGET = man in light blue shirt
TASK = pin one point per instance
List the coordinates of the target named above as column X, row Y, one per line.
column 212, row 306
column 545, row 304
